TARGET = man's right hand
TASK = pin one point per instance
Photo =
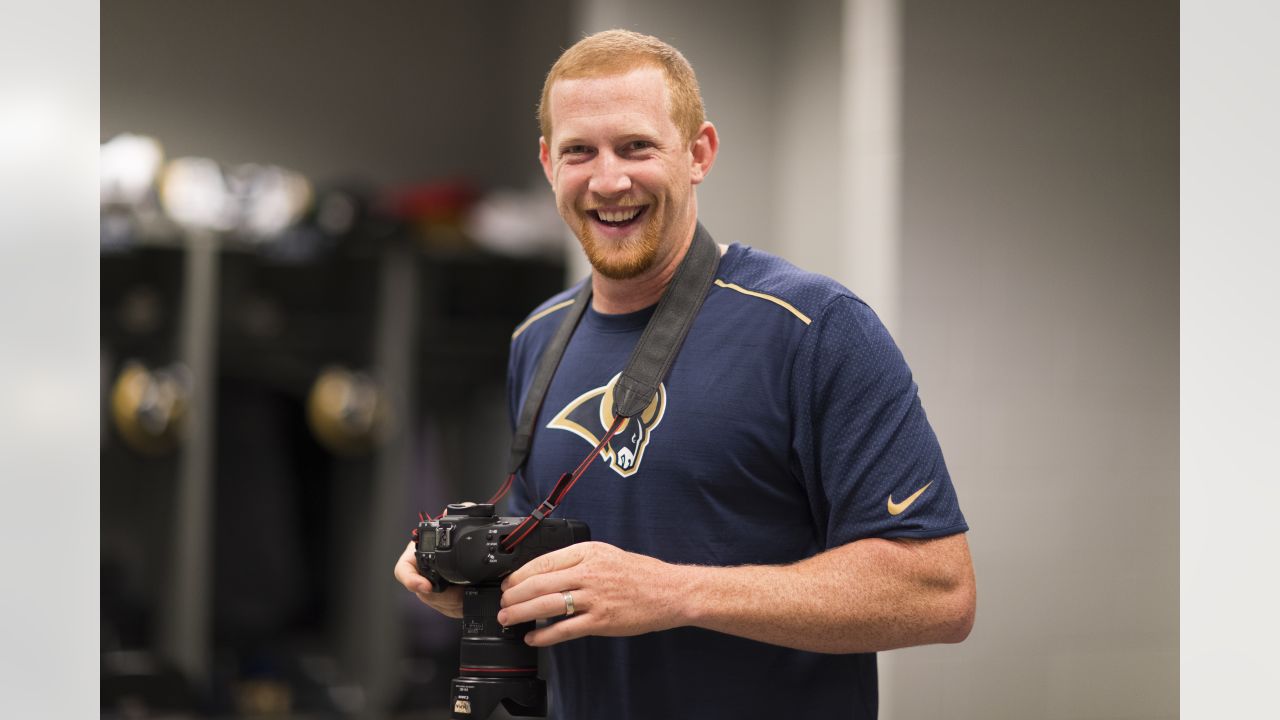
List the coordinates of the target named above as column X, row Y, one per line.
column 448, row 602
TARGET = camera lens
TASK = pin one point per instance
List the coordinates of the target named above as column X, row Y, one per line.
column 462, row 547
column 497, row 665
column 487, row 647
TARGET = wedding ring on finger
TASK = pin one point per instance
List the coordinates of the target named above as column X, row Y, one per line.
column 568, row 603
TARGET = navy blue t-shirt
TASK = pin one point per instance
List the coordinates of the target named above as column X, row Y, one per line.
column 789, row 424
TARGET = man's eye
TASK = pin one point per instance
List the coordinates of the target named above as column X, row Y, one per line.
column 636, row 145
column 574, row 150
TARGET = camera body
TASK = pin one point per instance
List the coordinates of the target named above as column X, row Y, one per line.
column 462, row 548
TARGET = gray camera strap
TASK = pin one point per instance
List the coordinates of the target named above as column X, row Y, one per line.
column 653, row 355
column 649, row 364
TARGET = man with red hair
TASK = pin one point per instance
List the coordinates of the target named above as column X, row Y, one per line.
column 781, row 511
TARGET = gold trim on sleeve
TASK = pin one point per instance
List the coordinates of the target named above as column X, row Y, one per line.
column 790, row 308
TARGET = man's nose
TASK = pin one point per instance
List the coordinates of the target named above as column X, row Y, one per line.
column 610, row 176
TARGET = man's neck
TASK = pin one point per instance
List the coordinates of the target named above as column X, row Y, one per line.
column 613, row 297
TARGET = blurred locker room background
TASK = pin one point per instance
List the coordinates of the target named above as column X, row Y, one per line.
column 321, row 221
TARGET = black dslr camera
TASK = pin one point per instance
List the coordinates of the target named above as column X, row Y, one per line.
column 462, row 548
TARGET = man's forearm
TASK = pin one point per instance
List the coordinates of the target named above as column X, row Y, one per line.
column 866, row 596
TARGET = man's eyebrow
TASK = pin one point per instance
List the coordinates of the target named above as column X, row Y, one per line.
column 632, row 137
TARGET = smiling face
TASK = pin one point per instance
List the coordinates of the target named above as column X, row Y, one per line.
column 622, row 171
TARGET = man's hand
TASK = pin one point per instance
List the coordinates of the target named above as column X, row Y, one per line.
column 448, row 602
column 615, row 594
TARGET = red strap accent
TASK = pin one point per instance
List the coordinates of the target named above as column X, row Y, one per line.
column 502, row 491
column 563, row 485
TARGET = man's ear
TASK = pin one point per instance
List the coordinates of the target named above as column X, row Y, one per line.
column 544, row 157
column 703, row 151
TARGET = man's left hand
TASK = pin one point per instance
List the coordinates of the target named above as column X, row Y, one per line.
column 615, row 593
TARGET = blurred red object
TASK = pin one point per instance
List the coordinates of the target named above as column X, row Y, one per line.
column 438, row 202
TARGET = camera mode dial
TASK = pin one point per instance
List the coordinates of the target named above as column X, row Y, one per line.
column 470, row 509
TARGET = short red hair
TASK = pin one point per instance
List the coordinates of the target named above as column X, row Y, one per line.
column 617, row 52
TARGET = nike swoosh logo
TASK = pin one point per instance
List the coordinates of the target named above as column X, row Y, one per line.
column 897, row 508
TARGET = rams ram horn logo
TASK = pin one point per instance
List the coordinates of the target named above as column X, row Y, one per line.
column 590, row 414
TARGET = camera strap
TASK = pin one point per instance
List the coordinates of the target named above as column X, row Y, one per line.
column 647, row 367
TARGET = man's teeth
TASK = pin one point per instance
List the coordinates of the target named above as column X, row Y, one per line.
column 619, row 215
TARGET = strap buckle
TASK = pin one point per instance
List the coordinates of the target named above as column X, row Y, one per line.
column 542, row 510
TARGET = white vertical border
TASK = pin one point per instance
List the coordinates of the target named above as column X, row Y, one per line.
column 1230, row 340
column 871, row 154
column 50, row 360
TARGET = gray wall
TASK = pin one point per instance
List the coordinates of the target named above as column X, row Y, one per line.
column 770, row 77
column 393, row 91
column 1037, row 303
column 1040, row 314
